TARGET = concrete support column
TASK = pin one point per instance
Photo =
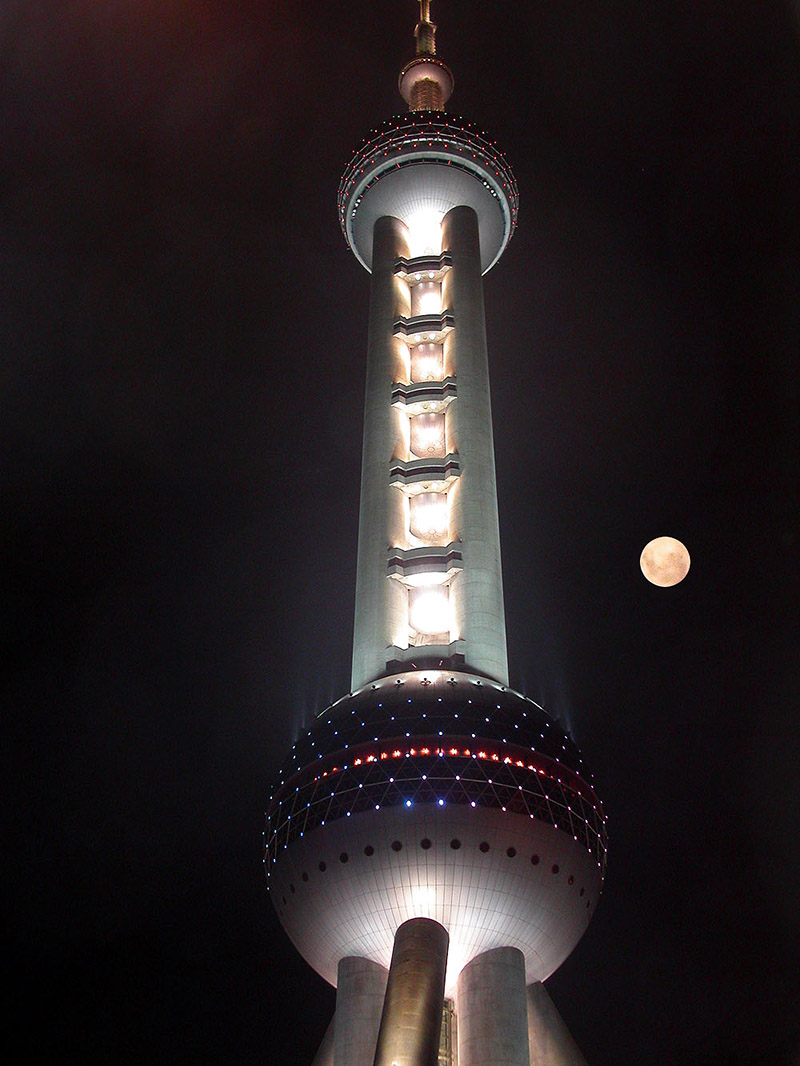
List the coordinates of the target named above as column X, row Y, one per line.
column 412, row 1011
column 324, row 1056
column 359, row 1000
column 491, row 1010
column 381, row 604
column 551, row 1043
column 478, row 608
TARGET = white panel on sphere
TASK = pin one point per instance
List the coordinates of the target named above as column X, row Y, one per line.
column 483, row 899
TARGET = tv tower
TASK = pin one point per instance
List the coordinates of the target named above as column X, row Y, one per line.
column 434, row 845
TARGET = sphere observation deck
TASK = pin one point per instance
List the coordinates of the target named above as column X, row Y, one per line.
column 425, row 163
column 435, row 794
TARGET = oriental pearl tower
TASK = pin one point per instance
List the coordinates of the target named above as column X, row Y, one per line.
column 434, row 845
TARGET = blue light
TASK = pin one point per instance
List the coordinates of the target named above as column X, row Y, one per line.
column 408, row 803
column 441, row 803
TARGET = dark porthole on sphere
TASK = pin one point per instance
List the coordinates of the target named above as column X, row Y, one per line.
column 587, row 904
column 535, row 860
column 344, row 857
column 322, row 867
column 555, row 867
column 304, row 875
column 483, row 846
column 511, row 852
column 455, row 843
column 570, row 880
column 396, row 845
column 582, row 891
column 284, row 900
column 369, row 850
column 425, row 843
column 291, row 888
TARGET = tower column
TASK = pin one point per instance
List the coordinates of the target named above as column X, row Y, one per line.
column 412, row 1011
column 551, row 1043
column 324, row 1055
column 359, row 999
column 491, row 1010
column 477, row 592
column 381, row 605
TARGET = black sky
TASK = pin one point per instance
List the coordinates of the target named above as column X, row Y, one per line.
column 183, row 335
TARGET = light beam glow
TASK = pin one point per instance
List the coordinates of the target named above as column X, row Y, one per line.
column 430, row 611
column 428, row 517
column 425, row 232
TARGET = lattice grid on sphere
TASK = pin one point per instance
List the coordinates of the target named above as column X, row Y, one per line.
column 456, row 740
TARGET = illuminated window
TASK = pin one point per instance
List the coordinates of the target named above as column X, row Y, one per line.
column 428, row 517
column 427, row 362
column 429, row 610
column 425, row 232
column 427, row 436
column 426, row 298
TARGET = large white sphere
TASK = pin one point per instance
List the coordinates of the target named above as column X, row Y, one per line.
column 435, row 795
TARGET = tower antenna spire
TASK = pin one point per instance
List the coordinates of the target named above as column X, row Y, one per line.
column 425, row 30
column 426, row 83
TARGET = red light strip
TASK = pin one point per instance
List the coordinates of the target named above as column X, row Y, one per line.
column 506, row 755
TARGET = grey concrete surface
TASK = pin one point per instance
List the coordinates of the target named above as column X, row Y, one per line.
column 478, row 591
column 550, row 1041
column 491, row 1009
column 359, row 1002
column 324, row 1056
column 381, row 605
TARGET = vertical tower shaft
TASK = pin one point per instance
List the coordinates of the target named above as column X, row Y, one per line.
column 478, row 589
column 381, row 615
column 429, row 582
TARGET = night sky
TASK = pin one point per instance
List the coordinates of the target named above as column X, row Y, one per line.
column 183, row 336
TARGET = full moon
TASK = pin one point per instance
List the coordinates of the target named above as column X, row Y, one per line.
column 665, row 561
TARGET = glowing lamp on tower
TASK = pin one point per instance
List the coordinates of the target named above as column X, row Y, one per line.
column 425, row 232
column 429, row 611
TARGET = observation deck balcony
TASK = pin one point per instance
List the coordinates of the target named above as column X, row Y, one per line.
column 423, row 397
column 423, row 329
column 424, row 475
column 424, row 268
column 427, row 159
column 429, row 565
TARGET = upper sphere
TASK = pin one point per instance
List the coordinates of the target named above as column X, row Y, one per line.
column 428, row 161
column 424, row 69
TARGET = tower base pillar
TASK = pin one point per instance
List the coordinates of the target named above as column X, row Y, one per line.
column 491, row 1010
column 551, row 1043
column 359, row 998
column 324, row 1056
column 412, row 1011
